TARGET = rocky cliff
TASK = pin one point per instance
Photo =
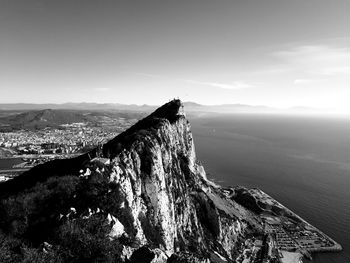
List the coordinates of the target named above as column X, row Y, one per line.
column 158, row 202
column 169, row 200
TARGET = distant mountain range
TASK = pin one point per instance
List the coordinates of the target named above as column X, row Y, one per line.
column 77, row 106
column 40, row 119
column 190, row 107
column 227, row 108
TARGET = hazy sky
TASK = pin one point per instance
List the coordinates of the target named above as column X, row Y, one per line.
column 269, row 52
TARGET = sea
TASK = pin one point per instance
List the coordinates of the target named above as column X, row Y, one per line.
column 303, row 162
column 8, row 163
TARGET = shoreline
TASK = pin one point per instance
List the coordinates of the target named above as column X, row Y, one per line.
column 305, row 252
column 335, row 248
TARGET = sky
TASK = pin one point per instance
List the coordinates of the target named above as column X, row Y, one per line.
column 276, row 53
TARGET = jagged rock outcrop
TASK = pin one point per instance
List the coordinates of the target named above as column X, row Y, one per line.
column 168, row 202
column 165, row 208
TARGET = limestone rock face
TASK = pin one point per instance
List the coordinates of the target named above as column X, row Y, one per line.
column 156, row 201
column 166, row 202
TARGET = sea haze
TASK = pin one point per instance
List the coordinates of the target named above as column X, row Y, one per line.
column 303, row 162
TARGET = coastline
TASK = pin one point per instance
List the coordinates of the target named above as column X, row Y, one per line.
column 307, row 252
column 335, row 248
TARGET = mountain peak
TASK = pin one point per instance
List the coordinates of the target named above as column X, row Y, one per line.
column 170, row 110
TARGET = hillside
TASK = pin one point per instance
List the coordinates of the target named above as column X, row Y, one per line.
column 142, row 195
column 54, row 118
column 42, row 118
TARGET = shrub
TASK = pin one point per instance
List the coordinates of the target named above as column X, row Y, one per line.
column 86, row 240
column 35, row 212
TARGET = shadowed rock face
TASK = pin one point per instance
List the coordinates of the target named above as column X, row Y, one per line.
column 167, row 208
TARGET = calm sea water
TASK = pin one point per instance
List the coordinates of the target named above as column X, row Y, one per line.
column 303, row 162
column 9, row 162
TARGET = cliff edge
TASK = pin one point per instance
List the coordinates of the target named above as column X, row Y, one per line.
column 145, row 188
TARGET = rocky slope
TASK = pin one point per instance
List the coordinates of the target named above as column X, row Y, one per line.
column 164, row 208
column 170, row 202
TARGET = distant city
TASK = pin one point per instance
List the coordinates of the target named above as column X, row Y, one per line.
column 36, row 140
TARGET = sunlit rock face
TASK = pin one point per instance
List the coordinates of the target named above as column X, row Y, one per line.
column 148, row 193
column 165, row 201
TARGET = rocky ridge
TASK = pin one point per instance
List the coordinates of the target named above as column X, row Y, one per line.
column 165, row 209
column 171, row 204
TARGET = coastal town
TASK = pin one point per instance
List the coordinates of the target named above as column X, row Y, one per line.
column 33, row 147
column 68, row 138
